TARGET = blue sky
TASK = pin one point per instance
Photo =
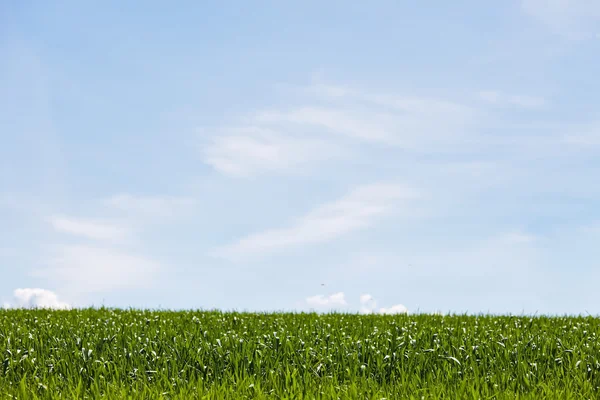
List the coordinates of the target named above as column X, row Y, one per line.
column 301, row 155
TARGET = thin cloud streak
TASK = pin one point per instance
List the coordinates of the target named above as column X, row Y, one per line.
column 357, row 210
column 414, row 123
column 518, row 100
column 91, row 229
column 288, row 140
column 247, row 151
column 158, row 206
column 573, row 19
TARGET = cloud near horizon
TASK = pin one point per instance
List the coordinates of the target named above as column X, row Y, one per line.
column 36, row 298
column 82, row 269
column 368, row 305
column 333, row 300
column 107, row 258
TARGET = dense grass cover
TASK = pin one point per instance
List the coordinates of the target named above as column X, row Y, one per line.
column 122, row 354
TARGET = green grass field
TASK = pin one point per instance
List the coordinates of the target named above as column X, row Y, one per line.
column 121, row 354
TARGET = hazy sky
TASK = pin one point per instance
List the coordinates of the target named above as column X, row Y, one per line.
column 240, row 154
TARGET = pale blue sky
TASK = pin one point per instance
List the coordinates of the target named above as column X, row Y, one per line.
column 241, row 154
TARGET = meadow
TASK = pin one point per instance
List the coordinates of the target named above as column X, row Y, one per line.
column 134, row 354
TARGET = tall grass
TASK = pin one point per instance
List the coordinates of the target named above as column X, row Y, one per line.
column 122, row 354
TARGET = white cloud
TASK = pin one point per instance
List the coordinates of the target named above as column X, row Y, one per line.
column 366, row 298
column 36, row 298
column 577, row 19
column 359, row 209
column 336, row 299
column 244, row 152
column 522, row 101
column 85, row 269
column 160, row 206
column 91, row 229
column 395, row 309
column 368, row 305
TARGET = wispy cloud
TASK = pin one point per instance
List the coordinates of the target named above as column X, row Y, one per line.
column 153, row 206
column 576, row 19
column 415, row 123
column 247, row 151
column 322, row 301
column 357, row 210
column 377, row 128
column 91, row 229
column 36, row 298
column 85, row 269
column 502, row 99
column 331, row 124
column 103, row 262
